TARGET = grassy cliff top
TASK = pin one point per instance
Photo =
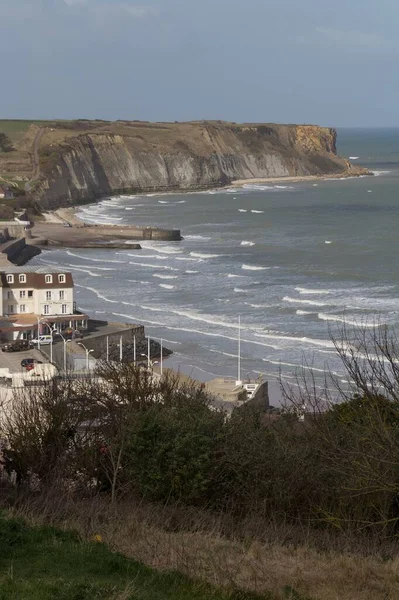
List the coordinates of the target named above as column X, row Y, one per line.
column 43, row 563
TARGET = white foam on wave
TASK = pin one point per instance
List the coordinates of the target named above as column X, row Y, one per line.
column 299, row 301
column 163, row 249
column 303, row 290
column 92, row 267
column 305, row 312
column 106, row 260
column 344, row 319
column 241, row 291
column 166, row 286
column 296, row 340
column 242, row 210
column 198, row 260
column 82, row 270
column 196, row 237
column 259, row 305
column 247, row 243
column 129, row 208
column 258, row 212
column 165, row 276
column 253, row 268
column 231, row 275
column 328, row 242
column 149, row 266
column 203, row 255
column 379, row 173
column 163, row 202
column 97, row 293
column 188, row 271
column 156, row 256
column 353, row 158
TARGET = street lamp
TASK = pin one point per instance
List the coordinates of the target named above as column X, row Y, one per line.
column 39, row 320
column 150, row 363
column 87, row 354
column 65, row 343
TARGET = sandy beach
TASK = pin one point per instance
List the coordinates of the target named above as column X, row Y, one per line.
column 282, row 180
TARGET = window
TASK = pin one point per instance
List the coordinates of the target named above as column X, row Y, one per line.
column 48, row 295
column 9, row 295
column 30, row 293
column 49, row 279
column 22, row 279
column 22, row 294
column 64, row 309
column 61, row 278
column 10, row 278
column 46, row 309
column 22, row 308
column 62, row 295
column 10, row 308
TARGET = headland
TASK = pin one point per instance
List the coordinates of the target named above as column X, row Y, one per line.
column 65, row 163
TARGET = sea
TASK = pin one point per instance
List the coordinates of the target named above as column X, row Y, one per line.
column 293, row 261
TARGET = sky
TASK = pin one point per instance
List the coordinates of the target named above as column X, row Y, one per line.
column 330, row 62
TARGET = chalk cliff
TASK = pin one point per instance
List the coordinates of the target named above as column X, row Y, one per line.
column 95, row 159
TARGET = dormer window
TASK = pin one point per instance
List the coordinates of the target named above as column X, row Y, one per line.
column 10, row 278
column 61, row 278
column 49, row 279
column 22, row 279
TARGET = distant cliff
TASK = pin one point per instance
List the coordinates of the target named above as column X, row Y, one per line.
column 85, row 160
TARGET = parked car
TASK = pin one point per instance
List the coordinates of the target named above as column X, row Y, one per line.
column 25, row 362
column 43, row 339
column 31, row 366
column 17, row 346
column 72, row 334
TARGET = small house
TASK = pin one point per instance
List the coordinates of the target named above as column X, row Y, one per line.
column 6, row 193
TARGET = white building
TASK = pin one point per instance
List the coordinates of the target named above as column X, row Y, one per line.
column 35, row 298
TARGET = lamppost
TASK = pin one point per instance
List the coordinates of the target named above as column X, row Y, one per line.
column 150, row 363
column 87, row 354
column 39, row 320
column 65, row 343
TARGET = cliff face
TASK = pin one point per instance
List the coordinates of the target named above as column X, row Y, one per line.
column 105, row 159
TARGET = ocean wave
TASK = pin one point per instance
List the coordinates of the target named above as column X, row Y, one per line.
column 196, row 237
column 165, row 276
column 160, row 248
column 379, row 173
column 198, row 260
column 253, row 268
column 188, row 271
column 258, row 212
column 97, row 293
column 299, row 301
column 166, row 286
column 242, row 210
column 353, row 157
column 290, row 338
column 204, row 255
column 303, row 290
column 106, row 260
column 129, row 208
column 241, row 291
column 305, row 312
column 149, row 266
column 245, row 243
column 361, row 322
column 163, row 202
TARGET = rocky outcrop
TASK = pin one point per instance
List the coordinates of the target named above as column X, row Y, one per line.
column 115, row 158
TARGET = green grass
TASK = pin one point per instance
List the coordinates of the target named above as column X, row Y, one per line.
column 43, row 563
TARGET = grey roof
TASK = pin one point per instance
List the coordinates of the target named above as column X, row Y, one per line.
column 30, row 269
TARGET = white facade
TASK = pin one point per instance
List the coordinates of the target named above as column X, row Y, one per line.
column 22, row 299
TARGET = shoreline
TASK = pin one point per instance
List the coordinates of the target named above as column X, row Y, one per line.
column 69, row 214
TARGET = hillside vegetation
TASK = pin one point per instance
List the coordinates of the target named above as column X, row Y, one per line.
column 44, row 563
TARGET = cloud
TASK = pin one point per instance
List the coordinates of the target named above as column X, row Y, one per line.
column 350, row 38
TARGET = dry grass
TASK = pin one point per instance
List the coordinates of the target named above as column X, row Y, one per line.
column 135, row 531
